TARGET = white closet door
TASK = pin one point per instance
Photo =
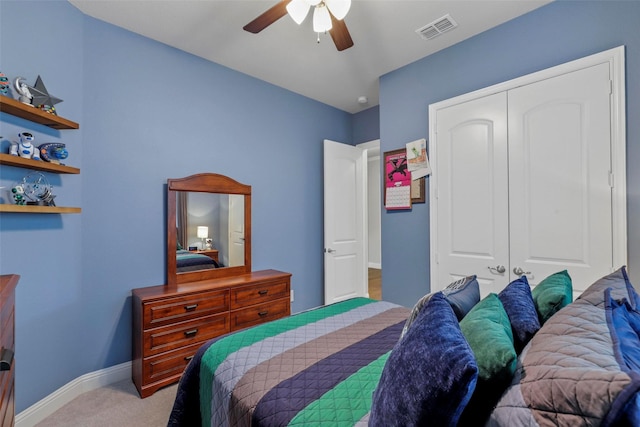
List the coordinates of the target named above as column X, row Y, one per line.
column 560, row 198
column 472, row 193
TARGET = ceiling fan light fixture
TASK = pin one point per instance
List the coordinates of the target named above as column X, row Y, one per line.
column 338, row 8
column 312, row 2
column 298, row 10
column 321, row 19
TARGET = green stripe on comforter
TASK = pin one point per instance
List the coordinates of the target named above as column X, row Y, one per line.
column 234, row 342
column 358, row 388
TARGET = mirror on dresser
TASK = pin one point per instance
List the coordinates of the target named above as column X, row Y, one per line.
column 208, row 228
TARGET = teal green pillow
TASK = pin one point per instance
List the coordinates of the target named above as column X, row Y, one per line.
column 488, row 332
column 553, row 293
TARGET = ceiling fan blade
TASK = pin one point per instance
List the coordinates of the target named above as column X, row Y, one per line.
column 340, row 34
column 267, row 18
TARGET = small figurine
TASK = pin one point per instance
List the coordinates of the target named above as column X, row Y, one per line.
column 25, row 147
column 4, row 85
column 18, row 195
column 23, row 89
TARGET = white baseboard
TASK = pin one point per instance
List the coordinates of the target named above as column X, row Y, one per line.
column 375, row 265
column 65, row 394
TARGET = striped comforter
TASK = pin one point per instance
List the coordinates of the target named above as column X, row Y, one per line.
column 316, row 367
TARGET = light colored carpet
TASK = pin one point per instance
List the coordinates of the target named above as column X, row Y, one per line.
column 115, row 405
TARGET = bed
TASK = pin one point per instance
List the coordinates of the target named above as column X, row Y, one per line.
column 452, row 360
column 192, row 261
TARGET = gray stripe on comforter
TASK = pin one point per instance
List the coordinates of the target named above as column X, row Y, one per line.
column 237, row 364
column 364, row 421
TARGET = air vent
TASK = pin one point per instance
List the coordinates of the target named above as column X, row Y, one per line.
column 437, row 27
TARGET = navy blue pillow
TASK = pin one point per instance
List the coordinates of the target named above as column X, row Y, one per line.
column 518, row 303
column 430, row 374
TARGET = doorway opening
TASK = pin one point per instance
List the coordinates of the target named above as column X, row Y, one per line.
column 374, row 209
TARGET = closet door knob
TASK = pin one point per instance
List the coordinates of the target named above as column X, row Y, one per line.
column 497, row 269
column 519, row 271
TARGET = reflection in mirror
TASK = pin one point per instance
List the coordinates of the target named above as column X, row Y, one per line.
column 210, row 230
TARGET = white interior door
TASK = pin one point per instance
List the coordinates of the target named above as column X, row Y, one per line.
column 472, row 193
column 559, row 176
column 345, row 222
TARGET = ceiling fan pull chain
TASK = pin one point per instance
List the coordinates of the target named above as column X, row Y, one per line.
column 318, row 37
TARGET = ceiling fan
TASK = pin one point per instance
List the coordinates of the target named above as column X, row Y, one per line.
column 328, row 16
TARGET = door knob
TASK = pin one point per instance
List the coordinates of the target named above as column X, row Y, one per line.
column 497, row 269
column 519, row 271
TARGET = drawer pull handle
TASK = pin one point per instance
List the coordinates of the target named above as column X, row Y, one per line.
column 188, row 358
column 263, row 313
column 191, row 333
column 6, row 358
column 263, row 291
column 191, row 307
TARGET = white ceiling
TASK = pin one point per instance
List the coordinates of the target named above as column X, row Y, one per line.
column 287, row 55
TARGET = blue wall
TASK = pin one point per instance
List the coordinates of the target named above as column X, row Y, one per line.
column 366, row 125
column 147, row 112
column 554, row 34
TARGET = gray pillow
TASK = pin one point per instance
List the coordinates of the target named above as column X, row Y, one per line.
column 461, row 295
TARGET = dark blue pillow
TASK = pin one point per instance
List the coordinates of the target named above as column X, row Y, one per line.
column 518, row 303
column 634, row 298
column 430, row 374
column 626, row 323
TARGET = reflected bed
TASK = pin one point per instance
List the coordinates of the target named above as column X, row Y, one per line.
column 192, row 261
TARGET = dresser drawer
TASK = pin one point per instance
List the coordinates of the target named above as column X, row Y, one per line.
column 182, row 334
column 260, row 313
column 178, row 309
column 258, row 293
column 168, row 364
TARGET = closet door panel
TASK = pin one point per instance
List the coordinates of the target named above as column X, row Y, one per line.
column 472, row 193
column 559, row 166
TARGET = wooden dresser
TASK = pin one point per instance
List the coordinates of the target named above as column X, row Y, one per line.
column 7, row 348
column 170, row 324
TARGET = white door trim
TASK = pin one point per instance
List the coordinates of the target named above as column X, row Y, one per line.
column 615, row 58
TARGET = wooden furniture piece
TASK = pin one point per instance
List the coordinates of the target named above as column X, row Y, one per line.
column 170, row 322
column 8, row 285
column 211, row 253
column 35, row 115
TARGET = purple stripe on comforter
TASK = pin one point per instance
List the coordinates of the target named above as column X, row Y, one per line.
column 282, row 403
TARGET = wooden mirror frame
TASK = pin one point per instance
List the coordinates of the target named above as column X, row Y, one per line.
column 205, row 183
